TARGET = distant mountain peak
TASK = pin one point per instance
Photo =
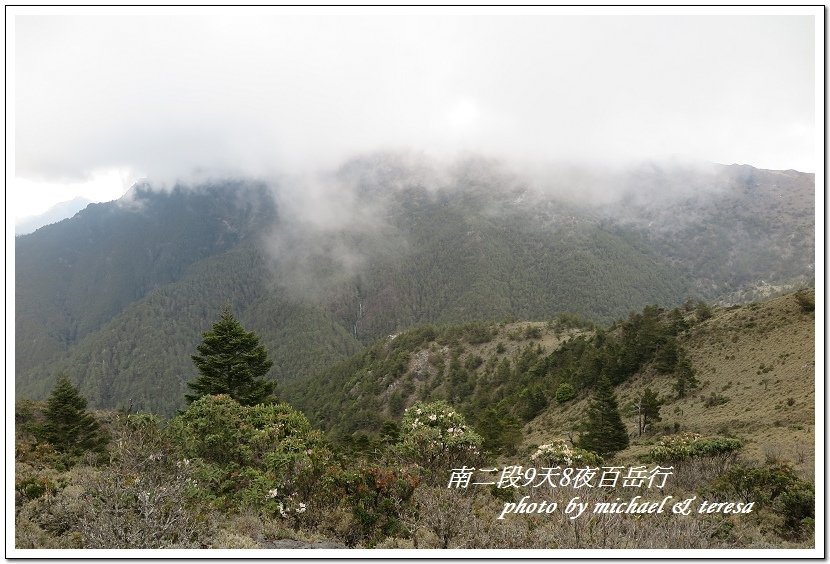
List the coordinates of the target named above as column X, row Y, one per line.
column 56, row 213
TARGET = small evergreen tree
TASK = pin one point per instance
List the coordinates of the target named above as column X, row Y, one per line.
column 667, row 356
column 68, row 426
column 231, row 361
column 685, row 377
column 648, row 408
column 703, row 311
column 605, row 432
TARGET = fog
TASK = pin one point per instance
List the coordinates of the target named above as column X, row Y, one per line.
column 182, row 97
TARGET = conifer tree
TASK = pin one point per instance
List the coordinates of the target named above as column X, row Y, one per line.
column 605, row 432
column 231, row 361
column 648, row 409
column 685, row 377
column 68, row 426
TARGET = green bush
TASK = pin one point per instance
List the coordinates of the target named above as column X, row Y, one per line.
column 676, row 448
column 265, row 456
column 776, row 487
column 376, row 496
column 565, row 392
column 703, row 311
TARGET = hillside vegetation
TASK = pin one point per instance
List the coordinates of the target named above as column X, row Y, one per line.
column 737, row 393
column 744, row 361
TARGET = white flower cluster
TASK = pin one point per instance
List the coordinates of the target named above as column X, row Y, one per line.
column 446, row 417
column 560, row 451
column 682, row 439
column 284, row 510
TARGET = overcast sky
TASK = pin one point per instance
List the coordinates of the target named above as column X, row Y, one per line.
column 103, row 100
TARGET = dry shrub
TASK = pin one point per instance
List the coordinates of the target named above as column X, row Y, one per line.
column 440, row 512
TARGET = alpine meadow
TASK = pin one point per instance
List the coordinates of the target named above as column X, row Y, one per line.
column 321, row 313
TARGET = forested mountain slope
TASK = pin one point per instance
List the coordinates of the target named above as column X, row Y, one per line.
column 117, row 296
column 74, row 276
column 740, row 232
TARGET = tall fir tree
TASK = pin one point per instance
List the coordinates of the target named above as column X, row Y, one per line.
column 605, row 432
column 68, row 426
column 231, row 361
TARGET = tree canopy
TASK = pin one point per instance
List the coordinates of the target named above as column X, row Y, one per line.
column 231, row 361
column 68, row 426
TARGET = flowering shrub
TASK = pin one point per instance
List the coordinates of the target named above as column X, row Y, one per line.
column 683, row 446
column 265, row 456
column 434, row 435
column 560, row 453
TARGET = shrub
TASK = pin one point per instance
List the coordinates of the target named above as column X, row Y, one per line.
column 376, row 497
column 565, row 392
column 805, row 301
column 265, row 456
column 715, row 400
column 473, row 362
column 477, row 333
column 676, row 448
column 703, row 311
column 560, row 453
column 774, row 486
column 435, row 435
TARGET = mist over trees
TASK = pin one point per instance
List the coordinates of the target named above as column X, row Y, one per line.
column 321, row 266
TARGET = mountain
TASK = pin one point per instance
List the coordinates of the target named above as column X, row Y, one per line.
column 54, row 214
column 73, row 277
column 117, row 296
column 740, row 232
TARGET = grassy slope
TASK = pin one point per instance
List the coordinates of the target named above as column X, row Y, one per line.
column 728, row 352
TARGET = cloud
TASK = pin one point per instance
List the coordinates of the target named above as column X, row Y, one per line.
column 166, row 96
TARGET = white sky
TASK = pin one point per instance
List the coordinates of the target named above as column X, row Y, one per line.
column 100, row 101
